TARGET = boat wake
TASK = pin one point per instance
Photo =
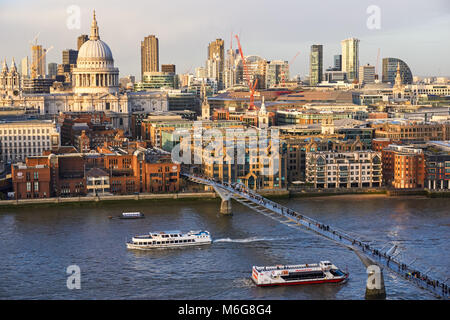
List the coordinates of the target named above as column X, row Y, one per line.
column 251, row 239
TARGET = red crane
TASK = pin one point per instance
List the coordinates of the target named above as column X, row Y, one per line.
column 283, row 82
column 251, row 86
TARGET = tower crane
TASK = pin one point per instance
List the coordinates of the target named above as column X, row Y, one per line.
column 283, row 77
column 251, row 86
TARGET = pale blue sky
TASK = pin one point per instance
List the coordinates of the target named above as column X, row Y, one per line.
column 417, row 32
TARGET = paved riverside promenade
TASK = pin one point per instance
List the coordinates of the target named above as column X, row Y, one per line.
column 100, row 198
column 294, row 219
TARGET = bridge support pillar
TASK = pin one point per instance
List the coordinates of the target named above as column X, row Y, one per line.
column 225, row 207
column 375, row 289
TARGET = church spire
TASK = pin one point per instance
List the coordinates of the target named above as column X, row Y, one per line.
column 263, row 110
column 398, row 77
column 13, row 67
column 4, row 67
column 94, row 30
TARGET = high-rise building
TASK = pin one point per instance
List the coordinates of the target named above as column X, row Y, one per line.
column 69, row 56
column 316, row 64
column 216, row 61
column 229, row 74
column 168, row 68
column 25, row 67
column 390, row 71
column 337, row 62
column 149, row 55
column 38, row 66
column 276, row 70
column 82, row 39
column 350, row 57
column 52, row 69
column 366, row 74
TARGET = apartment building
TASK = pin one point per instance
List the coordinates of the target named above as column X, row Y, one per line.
column 357, row 169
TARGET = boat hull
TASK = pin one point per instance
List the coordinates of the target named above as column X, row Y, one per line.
column 130, row 218
column 171, row 246
column 292, row 283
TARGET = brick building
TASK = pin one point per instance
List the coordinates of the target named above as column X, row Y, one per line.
column 111, row 170
column 31, row 180
column 403, row 167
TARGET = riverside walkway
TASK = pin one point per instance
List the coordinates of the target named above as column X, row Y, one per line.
column 294, row 219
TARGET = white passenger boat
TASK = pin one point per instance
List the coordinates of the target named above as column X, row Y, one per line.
column 169, row 239
column 132, row 215
column 323, row 272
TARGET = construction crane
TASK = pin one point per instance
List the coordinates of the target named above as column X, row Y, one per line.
column 283, row 77
column 36, row 63
column 251, row 86
column 34, row 41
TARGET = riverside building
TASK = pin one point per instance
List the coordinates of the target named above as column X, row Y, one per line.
column 356, row 169
column 110, row 170
column 403, row 167
column 21, row 139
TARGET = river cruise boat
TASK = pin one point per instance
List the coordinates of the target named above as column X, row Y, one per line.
column 169, row 239
column 132, row 215
column 323, row 272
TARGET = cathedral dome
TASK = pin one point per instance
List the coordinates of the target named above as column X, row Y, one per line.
column 95, row 49
column 94, row 53
column 95, row 72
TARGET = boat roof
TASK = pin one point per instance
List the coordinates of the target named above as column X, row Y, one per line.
column 285, row 267
column 166, row 232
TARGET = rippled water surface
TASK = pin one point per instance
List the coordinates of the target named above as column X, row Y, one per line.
column 38, row 244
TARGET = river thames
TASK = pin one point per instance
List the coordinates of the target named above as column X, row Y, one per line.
column 38, row 244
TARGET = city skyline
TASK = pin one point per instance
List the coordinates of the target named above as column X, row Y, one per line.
column 184, row 37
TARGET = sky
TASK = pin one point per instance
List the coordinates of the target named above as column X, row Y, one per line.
column 418, row 32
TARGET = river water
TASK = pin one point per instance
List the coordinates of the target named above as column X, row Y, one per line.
column 38, row 244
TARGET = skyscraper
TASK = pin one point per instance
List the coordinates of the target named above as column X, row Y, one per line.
column 276, row 71
column 38, row 66
column 82, row 39
column 229, row 73
column 69, row 56
column 25, row 67
column 216, row 61
column 390, row 71
column 149, row 54
column 316, row 64
column 350, row 57
column 337, row 62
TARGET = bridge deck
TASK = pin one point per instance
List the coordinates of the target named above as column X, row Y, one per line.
column 294, row 219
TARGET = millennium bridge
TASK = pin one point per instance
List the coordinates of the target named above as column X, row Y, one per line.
column 368, row 254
